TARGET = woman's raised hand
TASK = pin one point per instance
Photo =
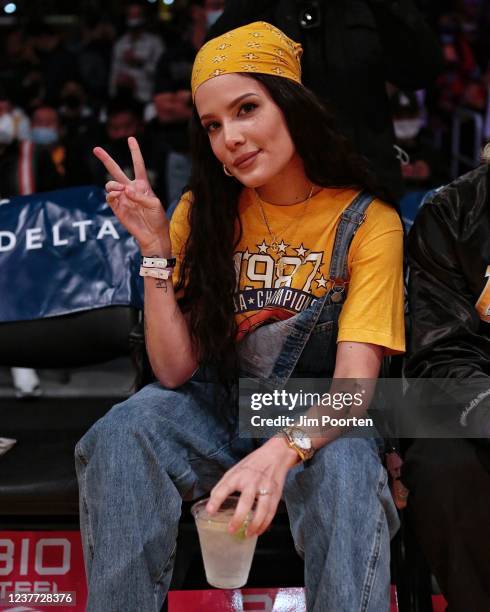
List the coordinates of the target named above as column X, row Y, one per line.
column 134, row 203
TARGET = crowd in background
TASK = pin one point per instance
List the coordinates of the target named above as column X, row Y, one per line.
column 62, row 91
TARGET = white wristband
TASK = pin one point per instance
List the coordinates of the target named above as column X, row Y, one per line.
column 158, row 262
column 155, row 273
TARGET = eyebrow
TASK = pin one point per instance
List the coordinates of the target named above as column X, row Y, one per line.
column 231, row 104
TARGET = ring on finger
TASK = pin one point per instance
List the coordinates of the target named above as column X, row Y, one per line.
column 263, row 491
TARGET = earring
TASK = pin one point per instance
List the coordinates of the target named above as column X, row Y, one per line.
column 226, row 171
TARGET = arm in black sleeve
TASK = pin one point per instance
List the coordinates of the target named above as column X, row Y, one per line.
column 412, row 53
column 446, row 341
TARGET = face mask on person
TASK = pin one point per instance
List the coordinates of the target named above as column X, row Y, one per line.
column 213, row 16
column 7, row 129
column 44, row 135
column 406, row 129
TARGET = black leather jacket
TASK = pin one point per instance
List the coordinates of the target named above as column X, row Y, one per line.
column 449, row 258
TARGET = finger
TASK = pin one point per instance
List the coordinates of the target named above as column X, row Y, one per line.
column 147, row 201
column 111, row 166
column 113, row 196
column 138, row 161
column 242, row 511
column 261, row 510
column 114, row 186
column 268, row 518
column 218, row 495
column 113, row 201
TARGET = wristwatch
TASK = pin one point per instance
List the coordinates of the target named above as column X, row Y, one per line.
column 300, row 441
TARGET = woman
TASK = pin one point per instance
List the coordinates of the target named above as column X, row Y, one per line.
column 274, row 202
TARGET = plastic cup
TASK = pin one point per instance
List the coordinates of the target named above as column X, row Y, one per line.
column 227, row 557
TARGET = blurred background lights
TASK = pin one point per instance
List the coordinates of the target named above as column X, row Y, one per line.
column 168, row 2
column 10, row 8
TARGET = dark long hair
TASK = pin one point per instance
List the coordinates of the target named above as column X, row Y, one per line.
column 207, row 274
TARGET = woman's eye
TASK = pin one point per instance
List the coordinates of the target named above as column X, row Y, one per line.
column 210, row 127
column 247, row 107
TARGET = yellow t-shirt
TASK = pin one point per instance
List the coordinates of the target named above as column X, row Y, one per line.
column 277, row 284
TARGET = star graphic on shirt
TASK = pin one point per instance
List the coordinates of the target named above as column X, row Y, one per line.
column 263, row 247
column 282, row 246
column 246, row 255
column 251, row 300
column 322, row 281
column 301, row 250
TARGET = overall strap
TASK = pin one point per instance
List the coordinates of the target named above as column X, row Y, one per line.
column 350, row 221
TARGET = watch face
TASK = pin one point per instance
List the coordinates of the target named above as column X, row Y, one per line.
column 302, row 440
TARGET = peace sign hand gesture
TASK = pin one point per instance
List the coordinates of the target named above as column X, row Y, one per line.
column 134, row 203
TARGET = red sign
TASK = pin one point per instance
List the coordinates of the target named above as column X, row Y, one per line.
column 246, row 600
column 41, row 562
column 249, row 600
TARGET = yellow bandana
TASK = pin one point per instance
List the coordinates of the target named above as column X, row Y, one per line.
column 256, row 47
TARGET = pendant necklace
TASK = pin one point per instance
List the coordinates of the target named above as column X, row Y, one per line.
column 275, row 235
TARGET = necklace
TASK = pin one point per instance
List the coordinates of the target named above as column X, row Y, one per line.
column 275, row 235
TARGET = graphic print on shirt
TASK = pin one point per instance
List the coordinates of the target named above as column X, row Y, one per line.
column 273, row 286
column 483, row 304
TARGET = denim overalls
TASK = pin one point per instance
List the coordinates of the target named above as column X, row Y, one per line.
column 305, row 344
column 138, row 462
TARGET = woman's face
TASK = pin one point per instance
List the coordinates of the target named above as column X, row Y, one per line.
column 247, row 130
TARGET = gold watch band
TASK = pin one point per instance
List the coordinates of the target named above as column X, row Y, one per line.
column 304, row 456
column 295, row 448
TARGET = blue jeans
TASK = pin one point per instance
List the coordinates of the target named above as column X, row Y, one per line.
column 138, row 462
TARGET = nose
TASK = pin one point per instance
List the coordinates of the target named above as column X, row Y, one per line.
column 232, row 135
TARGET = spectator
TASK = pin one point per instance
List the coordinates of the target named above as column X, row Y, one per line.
column 56, row 64
column 168, row 131
column 16, row 64
column 135, row 56
column 458, row 85
column 14, row 122
column 46, row 132
column 423, row 167
column 24, row 168
column 77, row 117
column 253, row 199
column 449, row 479
column 98, row 35
column 350, row 50
column 124, row 119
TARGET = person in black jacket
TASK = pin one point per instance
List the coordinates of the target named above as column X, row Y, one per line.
column 449, row 477
column 351, row 48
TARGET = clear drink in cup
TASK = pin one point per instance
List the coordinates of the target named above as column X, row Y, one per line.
column 227, row 557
